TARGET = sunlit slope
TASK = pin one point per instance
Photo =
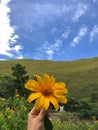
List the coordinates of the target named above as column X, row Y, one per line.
column 81, row 76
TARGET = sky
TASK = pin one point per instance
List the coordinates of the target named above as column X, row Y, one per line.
column 58, row 30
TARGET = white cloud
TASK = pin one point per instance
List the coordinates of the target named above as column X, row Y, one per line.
column 66, row 8
column 66, row 33
column 94, row 32
column 7, row 33
column 81, row 33
column 54, row 30
column 80, row 11
column 43, row 13
column 48, row 50
column 2, row 59
column 94, row 1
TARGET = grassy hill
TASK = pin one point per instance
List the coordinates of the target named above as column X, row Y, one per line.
column 81, row 76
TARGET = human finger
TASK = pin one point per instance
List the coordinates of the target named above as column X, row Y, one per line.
column 42, row 113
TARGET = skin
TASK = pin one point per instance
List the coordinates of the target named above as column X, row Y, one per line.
column 36, row 119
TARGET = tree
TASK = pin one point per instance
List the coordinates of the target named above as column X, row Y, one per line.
column 76, row 106
column 20, row 78
column 6, row 87
column 72, row 105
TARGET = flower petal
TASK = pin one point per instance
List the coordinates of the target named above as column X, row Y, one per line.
column 49, row 81
column 39, row 79
column 61, row 99
column 54, row 102
column 32, row 85
column 61, row 91
column 33, row 96
column 52, row 81
column 60, row 85
column 46, row 79
column 39, row 102
column 46, row 103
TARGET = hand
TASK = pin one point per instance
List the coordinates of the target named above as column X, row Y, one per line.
column 36, row 119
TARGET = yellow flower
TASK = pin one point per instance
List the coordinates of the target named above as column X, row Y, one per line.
column 46, row 91
column 94, row 118
column 17, row 95
column 11, row 110
column 2, row 99
column 7, row 108
column 8, row 117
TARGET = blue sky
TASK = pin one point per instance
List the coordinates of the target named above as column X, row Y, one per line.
column 48, row 29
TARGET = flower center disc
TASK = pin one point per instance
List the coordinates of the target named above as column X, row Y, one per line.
column 46, row 90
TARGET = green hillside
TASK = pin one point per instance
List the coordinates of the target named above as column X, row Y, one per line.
column 81, row 76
